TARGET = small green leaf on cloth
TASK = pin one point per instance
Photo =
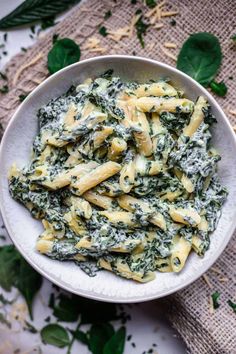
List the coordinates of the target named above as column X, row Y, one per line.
column 103, row 31
column 99, row 335
column 232, row 305
column 219, row 88
column 63, row 53
column 141, row 28
column 200, row 57
column 215, row 297
column 9, row 260
column 56, row 335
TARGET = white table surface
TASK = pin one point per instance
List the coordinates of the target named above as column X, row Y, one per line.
column 147, row 325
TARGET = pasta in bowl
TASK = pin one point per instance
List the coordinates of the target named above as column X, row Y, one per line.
column 123, row 176
column 119, row 187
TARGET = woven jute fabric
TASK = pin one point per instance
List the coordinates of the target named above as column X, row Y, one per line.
column 203, row 332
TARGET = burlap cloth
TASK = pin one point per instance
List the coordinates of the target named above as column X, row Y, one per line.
column 203, row 332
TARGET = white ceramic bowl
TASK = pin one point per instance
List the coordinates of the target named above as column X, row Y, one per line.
column 24, row 230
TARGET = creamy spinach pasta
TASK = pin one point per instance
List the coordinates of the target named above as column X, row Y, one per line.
column 123, row 177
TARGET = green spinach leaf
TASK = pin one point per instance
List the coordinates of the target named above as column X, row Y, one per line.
column 80, row 336
column 151, row 3
column 215, row 297
column 141, row 28
column 99, row 335
column 219, row 88
column 56, row 335
column 232, row 305
column 66, row 309
column 34, row 10
column 200, row 57
column 116, row 343
column 28, row 282
column 63, row 53
column 9, row 260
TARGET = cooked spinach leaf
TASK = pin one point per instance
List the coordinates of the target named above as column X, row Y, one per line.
column 56, row 335
column 63, row 53
column 219, row 88
column 200, row 57
column 34, row 10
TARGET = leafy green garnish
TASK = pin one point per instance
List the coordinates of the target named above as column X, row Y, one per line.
column 28, row 282
column 107, row 14
column 22, row 97
column 66, row 309
column 234, row 37
column 151, row 3
column 34, row 10
column 3, row 76
column 9, row 259
column 116, row 343
column 99, row 335
column 81, row 336
column 200, row 57
column 5, row 301
column 56, row 335
column 141, row 28
column 133, row 2
column 103, row 31
column 215, row 297
column 30, row 328
column 15, row 271
column 63, row 53
column 219, row 88
column 232, row 305
column 47, row 22
column 4, row 89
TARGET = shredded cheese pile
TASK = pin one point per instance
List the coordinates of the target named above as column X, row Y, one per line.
column 93, row 45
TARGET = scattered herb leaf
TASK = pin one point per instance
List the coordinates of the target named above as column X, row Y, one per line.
column 55, row 38
column 63, row 53
column 133, row 2
column 141, row 28
column 56, row 335
column 103, row 31
column 107, row 14
column 116, row 343
column 66, row 309
column 151, row 3
column 5, row 301
column 34, row 10
column 24, row 49
column 9, row 259
column 99, row 335
column 22, row 97
column 200, row 57
column 172, row 22
column 219, row 88
column 81, row 336
column 28, row 282
column 47, row 22
column 232, row 305
column 5, row 37
column 215, row 297
column 234, row 37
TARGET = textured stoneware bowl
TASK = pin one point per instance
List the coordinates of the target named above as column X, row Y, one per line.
column 24, row 230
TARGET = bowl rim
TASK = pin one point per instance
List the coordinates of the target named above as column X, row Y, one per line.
column 89, row 294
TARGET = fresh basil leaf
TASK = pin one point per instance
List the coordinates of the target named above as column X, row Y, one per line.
column 215, row 297
column 63, row 53
column 219, row 88
column 99, row 335
column 81, row 336
column 66, row 309
column 232, row 305
column 116, row 343
column 56, row 335
column 28, row 282
column 200, row 57
column 9, row 260
column 34, row 10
